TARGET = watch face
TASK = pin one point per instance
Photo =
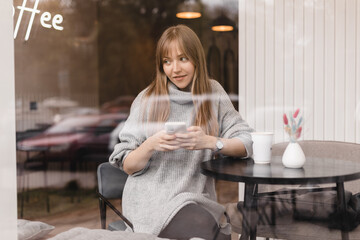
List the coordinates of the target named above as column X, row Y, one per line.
column 219, row 145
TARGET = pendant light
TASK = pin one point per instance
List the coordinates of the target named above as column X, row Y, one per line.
column 189, row 9
column 222, row 24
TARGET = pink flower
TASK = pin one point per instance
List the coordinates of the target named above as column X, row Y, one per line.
column 285, row 119
column 296, row 113
column 298, row 132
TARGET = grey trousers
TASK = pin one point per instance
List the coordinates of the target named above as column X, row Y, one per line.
column 193, row 221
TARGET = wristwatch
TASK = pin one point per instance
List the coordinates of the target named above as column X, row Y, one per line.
column 218, row 145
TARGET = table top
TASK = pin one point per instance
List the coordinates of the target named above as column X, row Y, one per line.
column 315, row 170
column 32, row 148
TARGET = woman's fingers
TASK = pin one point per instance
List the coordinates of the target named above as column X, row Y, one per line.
column 194, row 129
column 191, row 140
column 171, row 142
column 167, row 147
column 165, row 142
column 168, row 137
column 184, row 137
column 188, row 146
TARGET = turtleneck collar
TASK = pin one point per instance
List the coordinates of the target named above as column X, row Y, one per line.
column 178, row 96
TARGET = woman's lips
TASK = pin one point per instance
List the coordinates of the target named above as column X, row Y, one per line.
column 178, row 78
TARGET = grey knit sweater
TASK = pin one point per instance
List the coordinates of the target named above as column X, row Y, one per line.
column 173, row 179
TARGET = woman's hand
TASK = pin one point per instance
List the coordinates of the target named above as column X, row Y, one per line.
column 138, row 158
column 195, row 139
column 161, row 141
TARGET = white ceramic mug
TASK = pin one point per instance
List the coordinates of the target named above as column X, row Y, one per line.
column 262, row 142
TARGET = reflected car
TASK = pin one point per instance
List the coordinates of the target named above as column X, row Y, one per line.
column 74, row 138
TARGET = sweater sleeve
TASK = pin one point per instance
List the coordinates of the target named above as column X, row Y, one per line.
column 131, row 136
column 231, row 124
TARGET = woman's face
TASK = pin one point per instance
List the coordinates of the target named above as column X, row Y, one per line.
column 178, row 68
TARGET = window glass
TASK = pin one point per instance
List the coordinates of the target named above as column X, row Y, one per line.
column 78, row 67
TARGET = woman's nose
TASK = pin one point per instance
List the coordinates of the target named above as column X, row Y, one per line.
column 176, row 66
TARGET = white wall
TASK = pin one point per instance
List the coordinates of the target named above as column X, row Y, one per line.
column 8, row 204
column 301, row 54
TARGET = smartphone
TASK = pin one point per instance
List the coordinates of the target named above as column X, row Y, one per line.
column 175, row 127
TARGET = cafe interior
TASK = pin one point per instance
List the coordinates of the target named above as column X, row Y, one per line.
column 71, row 70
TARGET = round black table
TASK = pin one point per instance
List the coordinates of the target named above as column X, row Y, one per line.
column 315, row 171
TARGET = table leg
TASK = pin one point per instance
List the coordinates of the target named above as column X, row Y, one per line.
column 22, row 198
column 341, row 207
column 250, row 214
column 45, row 164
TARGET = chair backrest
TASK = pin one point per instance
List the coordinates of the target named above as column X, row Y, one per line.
column 111, row 181
column 328, row 149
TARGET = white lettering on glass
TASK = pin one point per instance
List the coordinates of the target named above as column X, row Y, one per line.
column 57, row 20
column 33, row 11
column 19, row 19
column 45, row 19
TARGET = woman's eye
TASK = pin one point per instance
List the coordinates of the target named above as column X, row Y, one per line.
column 167, row 62
column 184, row 59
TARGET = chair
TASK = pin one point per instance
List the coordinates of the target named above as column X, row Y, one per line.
column 286, row 226
column 327, row 149
column 111, row 182
column 26, row 168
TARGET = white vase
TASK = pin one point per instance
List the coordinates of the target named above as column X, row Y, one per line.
column 293, row 156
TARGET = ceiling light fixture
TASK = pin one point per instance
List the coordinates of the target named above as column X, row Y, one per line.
column 222, row 24
column 189, row 9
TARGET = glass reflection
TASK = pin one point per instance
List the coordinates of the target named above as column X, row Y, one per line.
column 78, row 66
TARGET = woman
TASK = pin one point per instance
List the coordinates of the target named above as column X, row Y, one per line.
column 165, row 193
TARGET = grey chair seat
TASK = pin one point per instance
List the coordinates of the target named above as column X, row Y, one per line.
column 117, row 226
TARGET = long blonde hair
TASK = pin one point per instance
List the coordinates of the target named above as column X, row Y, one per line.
column 158, row 92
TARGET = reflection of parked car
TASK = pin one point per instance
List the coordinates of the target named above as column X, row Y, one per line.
column 75, row 137
column 119, row 104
